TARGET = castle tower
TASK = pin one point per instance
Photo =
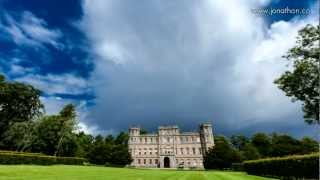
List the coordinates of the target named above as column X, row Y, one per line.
column 134, row 131
column 206, row 137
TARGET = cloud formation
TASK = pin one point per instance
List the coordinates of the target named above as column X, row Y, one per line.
column 32, row 32
column 29, row 30
column 57, row 84
column 185, row 62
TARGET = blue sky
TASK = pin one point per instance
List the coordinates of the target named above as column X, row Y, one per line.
column 157, row 62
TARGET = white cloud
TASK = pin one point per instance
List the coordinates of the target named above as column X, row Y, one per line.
column 30, row 30
column 57, row 84
column 169, row 62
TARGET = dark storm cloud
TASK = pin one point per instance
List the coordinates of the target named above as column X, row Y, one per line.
column 164, row 62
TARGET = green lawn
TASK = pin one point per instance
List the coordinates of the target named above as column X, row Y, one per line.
column 60, row 172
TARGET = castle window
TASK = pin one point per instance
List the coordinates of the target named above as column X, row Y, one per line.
column 156, row 161
column 144, row 161
column 200, row 151
column 150, row 161
column 168, row 139
column 194, row 150
column 188, row 151
column 139, row 161
column 145, row 140
column 141, row 140
column 150, row 152
column 181, row 151
column 151, row 139
column 139, row 152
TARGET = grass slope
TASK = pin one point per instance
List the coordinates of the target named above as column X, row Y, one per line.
column 61, row 172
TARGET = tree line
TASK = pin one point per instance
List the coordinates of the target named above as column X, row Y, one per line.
column 25, row 127
column 239, row 148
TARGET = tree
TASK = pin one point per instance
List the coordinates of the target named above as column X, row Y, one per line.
column 54, row 134
column 221, row 156
column 263, row 143
column 284, row 145
column 68, row 114
column 120, row 155
column 100, row 153
column 239, row 141
column 249, row 152
column 122, row 138
column 302, row 82
column 19, row 136
column 309, row 145
column 109, row 140
column 18, row 103
column 84, row 142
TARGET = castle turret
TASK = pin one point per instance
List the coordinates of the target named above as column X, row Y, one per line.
column 206, row 137
column 134, row 131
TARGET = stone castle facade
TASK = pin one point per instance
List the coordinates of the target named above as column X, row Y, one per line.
column 170, row 148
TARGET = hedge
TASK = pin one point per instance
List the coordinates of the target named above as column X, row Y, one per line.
column 298, row 166
column 37, row 159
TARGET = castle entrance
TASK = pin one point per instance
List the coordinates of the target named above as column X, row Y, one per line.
column 166, row 162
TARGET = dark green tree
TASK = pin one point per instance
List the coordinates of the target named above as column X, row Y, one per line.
column 18, row 103
column 100, row 153
column 54, row 134
column 84, row 142
column 262, row 142
column 122, row 138
column 120, row 155
column 109, row 140
column 249, row 152
column 239, row 141
column 67, row 138
column 302, row 82
column 284, row 145
column 222, row 155
column 309, row 145
column 19, row 136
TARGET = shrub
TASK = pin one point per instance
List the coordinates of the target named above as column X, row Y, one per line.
column 38, row 159
column 298, row 166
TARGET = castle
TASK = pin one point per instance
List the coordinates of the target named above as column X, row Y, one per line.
column 170, row 148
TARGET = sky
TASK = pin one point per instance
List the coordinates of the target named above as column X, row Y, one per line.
column 158, row 62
